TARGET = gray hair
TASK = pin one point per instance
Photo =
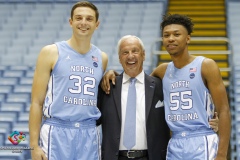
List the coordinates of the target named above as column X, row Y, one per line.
column 126, row 37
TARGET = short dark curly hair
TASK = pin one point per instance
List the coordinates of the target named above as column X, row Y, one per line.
column 178, row 19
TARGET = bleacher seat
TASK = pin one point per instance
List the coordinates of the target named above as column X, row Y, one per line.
column 9, row 59
column 63, row 35
column 26, row 80
column 17, row 50
column 130, row 31
column 19, row 45
column 2, row 97
column 13, row 73
column 4, row 130
column 109, row 29
column 12, row 107
column 7, row 118
column 19, row 67
column 22, row 88
column 6, row 89
column 18, row 97
column 2, row 138
column 39, row 20
column 21, row 127
column 30, row 73
column 23, row 117
column 33, row 23
column 8, row 80
column 27, row 106
column 5, row 10
column 109, row 42
column 4, row 42
column 8, row 155
column 31, row 58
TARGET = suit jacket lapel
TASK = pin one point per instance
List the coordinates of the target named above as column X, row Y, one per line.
column 117, row 92
column 149, row 91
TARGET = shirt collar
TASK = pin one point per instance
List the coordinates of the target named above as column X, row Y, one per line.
column 139, row 77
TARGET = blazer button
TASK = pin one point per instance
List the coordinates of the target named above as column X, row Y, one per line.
column 116, row 153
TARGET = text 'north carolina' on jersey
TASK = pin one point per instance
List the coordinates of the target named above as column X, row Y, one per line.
column 73, row 86
column 188, row 104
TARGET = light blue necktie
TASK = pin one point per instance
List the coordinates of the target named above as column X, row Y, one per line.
column 129, row 134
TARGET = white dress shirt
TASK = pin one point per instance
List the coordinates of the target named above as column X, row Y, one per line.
column 141, row 137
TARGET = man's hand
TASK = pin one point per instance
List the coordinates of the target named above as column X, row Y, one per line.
column 105, row 84
column 214, row 122
column 38, row 154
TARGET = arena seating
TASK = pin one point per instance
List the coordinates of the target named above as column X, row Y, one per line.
column 27, row 25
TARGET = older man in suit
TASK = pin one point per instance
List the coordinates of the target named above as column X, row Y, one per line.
column 151, row 133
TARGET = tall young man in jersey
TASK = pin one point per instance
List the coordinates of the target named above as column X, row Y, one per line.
column 193, row 89
column 192, row 86
column 63, row 110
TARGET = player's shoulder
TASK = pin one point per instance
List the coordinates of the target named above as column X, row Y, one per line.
column 208, row 61
column 209, row 64
column 104, row 55
column 49, row 50
column 160, row 70
column 48, row 53
column 209, row 67
column 163, row 66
